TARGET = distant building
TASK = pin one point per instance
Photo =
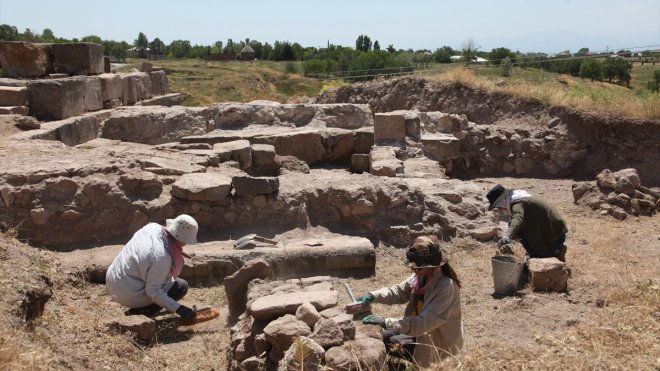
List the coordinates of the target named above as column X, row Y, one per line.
column 247, row 53
column 458, row 58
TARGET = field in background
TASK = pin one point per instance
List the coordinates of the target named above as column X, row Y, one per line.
column 554, row 89
column 204, row 83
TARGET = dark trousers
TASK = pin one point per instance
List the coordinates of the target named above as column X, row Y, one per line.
column 178, row 290
column 558, row 248
column 398, row 345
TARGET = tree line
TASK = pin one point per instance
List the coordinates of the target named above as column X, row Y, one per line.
column 364, row 61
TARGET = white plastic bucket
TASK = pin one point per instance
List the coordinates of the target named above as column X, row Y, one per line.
column 506, row 274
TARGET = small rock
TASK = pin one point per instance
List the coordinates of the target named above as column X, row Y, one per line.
column 143, row 326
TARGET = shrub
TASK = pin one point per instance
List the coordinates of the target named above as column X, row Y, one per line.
column 506, row 66
column 290, row 67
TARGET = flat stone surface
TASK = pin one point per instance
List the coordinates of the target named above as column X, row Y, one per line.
column 339, row 255
column 273, row 306
column 202, row 187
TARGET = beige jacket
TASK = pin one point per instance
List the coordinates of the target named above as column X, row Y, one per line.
column 439, row 328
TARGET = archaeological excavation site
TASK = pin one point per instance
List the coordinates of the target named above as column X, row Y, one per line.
column 327, row 192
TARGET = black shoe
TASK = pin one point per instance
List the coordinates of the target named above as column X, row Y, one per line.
column 149, row 311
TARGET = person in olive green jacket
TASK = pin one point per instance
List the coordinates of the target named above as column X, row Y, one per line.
column 538, row 225
column 431, row 328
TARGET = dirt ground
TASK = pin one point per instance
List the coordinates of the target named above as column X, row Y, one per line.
column 608, row 319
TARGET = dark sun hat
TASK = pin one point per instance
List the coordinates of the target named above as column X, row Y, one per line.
column 425, row 252
column 495, row 195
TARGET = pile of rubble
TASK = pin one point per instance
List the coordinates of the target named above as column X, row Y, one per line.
column 295, row 324
column 618, row 194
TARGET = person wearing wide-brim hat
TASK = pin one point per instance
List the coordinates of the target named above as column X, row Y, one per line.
column 532, row 220
column 431, row 327
column 145, row 275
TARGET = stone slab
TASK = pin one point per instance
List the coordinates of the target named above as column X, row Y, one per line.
column 56, row 99
column 14, row 110
column 389, row 127
column 25, row 59
column 273, row 306
column 78, row 58
column 338, row 256
column 441, row 147
column 13, row 96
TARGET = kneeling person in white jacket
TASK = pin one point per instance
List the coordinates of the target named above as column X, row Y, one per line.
column 145, row 275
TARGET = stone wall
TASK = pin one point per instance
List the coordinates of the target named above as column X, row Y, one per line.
column 520, row 136
column 52, row 95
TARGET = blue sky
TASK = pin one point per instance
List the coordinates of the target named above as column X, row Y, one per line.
column 534, row 25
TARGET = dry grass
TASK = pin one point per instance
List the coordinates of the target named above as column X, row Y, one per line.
column 19, row 352
column 206, row 82
column 559, row 90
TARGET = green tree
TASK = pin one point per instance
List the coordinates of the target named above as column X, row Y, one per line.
column 28, row 35
column 498, row 55
column 92, row 39
column 376, row 46
column 180, row 49
column 582, row 52
column 157, row 47
column 624, row 53
column 390, row 48
column 141, row 44
column 48, row 36
column 591, row 69
column 363, row 43
column 654, row 85
column 617, row 68
column 443, row 55
column 8, row 33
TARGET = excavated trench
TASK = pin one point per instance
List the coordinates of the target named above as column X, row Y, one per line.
column 509, row 136
column 381, row 157
column 364, row 165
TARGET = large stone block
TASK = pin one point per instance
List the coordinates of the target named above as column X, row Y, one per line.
column 56, row 99
column 13, row 96
column 248, row 185
column 383, row 162
column 237, row 150
column 548, row 274
column 389, row 127
column 364, row 140
column 93, row 94
column 24, row 59
column 441, row 147
column 263, row 154
column 111, row 87
column 202, row 187
column 159, row 83
column 360, row 163
column 136, row 86
column 78, row 58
